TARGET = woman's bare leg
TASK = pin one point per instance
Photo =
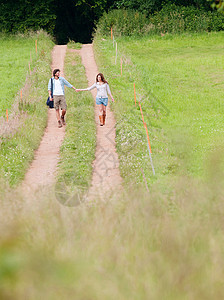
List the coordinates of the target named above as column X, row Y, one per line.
column 104, row 114
column 101, row 109
column 101, row 114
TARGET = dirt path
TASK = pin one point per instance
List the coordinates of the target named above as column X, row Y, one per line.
column 43, row 168
column 106, row 179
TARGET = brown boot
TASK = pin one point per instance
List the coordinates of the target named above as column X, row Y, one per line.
column 59, row 124
column 104, row 118
column 63, row 120
column 101, row 120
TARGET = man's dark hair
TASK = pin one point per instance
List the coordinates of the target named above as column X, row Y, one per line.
column 55, row 71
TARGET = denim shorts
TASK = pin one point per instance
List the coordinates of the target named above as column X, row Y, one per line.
column 101, row 100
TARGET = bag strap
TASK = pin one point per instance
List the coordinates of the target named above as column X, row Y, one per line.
column 51, row 88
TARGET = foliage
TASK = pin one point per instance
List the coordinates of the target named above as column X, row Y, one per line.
column 124, row 22
column 176, row 19
column 75, row 20
column 150, row 6
column 67, row 19
column 218, row 4
column 21, row 16
column 170, row 19
column 143, row 6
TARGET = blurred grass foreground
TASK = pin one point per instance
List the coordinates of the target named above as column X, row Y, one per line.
column 167, row 243
column 158, row 245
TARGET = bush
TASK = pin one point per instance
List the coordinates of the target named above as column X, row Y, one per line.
column 124, row 22
column 23, row 16
column 178, row 19
column 216, row 21
column 170, row 19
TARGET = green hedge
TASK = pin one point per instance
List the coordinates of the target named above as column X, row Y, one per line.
column 170, row 19
column 22, row 16
column 178, row 19
column 123, row 21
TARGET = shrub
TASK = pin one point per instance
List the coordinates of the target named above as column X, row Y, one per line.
column 177, row 19
column 216, row 21
column 174, row 19
column 124, row 22
column 170, row 19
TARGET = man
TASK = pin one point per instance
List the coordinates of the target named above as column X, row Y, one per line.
column 59, row 95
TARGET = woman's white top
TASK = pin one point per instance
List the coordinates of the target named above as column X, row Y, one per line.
column 102, row 89
column 57, row 88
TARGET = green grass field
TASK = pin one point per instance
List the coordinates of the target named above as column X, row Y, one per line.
column 16, row 53
column 17, row 148
column 163, row 244
column 179, row 80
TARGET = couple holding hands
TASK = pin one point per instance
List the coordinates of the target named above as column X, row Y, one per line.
column 56, row 85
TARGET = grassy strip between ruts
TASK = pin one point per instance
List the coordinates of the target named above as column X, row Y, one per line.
column 78, row 149
column 179, row 81
column 17, row 149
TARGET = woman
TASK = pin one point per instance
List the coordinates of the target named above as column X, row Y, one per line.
column 103, row 90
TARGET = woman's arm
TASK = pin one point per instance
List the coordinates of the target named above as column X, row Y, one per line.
column 112, row 98
column 87, row 89
column 109, row 92
column 80, row 90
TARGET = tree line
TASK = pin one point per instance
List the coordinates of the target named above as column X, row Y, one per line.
column 73, row 19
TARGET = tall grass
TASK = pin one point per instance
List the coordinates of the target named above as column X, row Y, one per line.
column 163, row 244
column 179, row 81
column 159, row 245
column 17, row 149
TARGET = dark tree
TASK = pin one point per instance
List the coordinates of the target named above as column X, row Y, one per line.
column 22, row 15
column 76, row 19
column 65, row 19
column 73, row 19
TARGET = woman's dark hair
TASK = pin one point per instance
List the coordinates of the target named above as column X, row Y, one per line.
column 55, row 71
column 102, row 77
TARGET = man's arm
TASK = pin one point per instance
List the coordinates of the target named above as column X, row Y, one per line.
column 49, row 90
column 68, row 84
column 51, row 97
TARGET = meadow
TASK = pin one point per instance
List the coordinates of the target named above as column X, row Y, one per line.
column 163, row 244
column 27, row 115
column 179, row 83
column 16, row 52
